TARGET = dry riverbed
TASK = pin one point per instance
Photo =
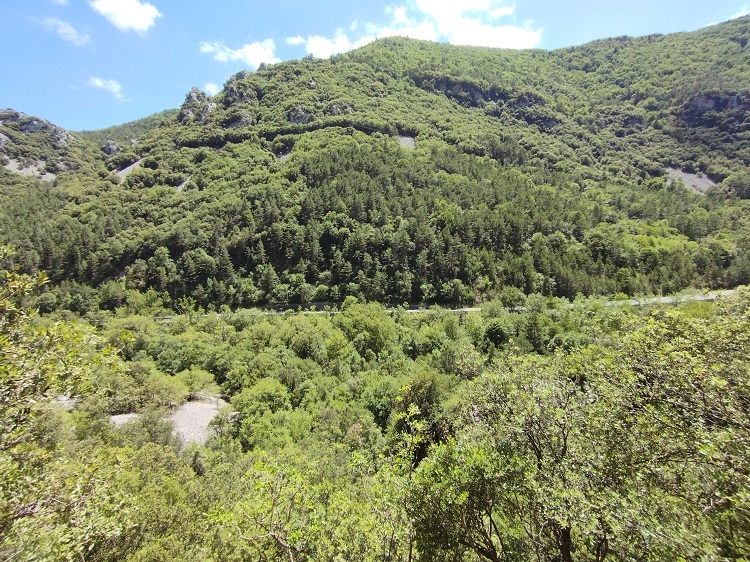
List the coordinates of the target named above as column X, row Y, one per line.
column 191, row 420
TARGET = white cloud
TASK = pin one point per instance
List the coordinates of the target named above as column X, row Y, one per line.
column 324, row 47
column 127, row 15
column 478, row 34
column 744, row 11
column 469, row 22
column 211, row 89
column 502, row 12
column 474, row 22
column 251, row 54
column 65, row 31
column 60, row 2
column 111, row 86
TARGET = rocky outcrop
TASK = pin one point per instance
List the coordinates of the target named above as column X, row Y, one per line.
column 196, row 107
column 237, row 90
column 465, row 92
column 244, row 119
column 721, row 109
column 28, row 125
column 339, row 109
column 300, row 115
column 34, row 146
column 110, row 148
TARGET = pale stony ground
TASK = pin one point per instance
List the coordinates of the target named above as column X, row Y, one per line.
column 698, row 183
column 34, row 170
column 190, row 420
column 407, row 142
column 122, row 419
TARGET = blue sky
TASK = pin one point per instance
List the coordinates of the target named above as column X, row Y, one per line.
column 88, row 64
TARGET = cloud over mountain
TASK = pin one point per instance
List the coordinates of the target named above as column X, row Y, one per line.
column 473, row 22
column 252, row 54
column 111, row 86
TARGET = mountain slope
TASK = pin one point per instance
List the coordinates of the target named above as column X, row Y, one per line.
column 409, row 171
column 128, row 133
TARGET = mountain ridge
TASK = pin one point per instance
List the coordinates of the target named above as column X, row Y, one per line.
column 541, row 171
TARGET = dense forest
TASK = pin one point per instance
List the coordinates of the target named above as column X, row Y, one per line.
column 305, row 245
column 404, row 172
column 558, row 431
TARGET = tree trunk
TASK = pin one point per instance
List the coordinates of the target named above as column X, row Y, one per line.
column 564, row 542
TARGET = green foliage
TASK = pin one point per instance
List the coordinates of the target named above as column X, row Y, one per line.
column 548, row 426
column 196, row 381
column 368, row 327
column 533, row 172
column 598, row 454
column 36, row 361
column 443, row 442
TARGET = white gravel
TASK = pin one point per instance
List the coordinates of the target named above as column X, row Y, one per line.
column 190, row 420
column 698, row 183
column 34, row 170
column 407, row 142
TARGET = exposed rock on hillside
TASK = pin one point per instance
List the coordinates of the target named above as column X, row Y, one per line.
column 110, row 148
column 300, row 115
column 234, row 121
column 28, row 125
column 197, row 107
column 717, row 109
column 35, row 145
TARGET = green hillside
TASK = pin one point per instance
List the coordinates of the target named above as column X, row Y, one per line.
column 128, row 133
column 556, row 421
column 409, row 171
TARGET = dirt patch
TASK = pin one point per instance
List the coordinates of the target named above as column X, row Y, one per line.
column 407, row 142
column 192, row 418
column 697, row 183
column 36, row 170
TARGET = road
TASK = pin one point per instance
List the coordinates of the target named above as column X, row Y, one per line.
column 713, row 295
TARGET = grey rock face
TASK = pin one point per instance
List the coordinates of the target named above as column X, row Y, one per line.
column 242, row 120
column 110, row 148
column 27, row 125
column 339, row 109
column 196, row 107
column 300, row 116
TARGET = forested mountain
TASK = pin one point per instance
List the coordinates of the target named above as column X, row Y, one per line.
column 408, row 171
column 549, row 426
